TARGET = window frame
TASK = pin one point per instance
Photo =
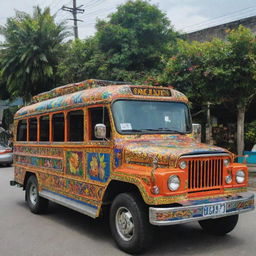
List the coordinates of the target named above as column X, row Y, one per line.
column 17, row 131
column 37, row 125
column 67, row 135
column 65, row 126
column 39, row 128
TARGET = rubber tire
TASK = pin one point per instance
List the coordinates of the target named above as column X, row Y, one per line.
column 143, row 232
column 41, row 204
column 219, row 226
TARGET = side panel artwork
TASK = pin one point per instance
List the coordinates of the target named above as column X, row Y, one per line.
column 98, row 166
column 74, row 163
column 79, row 173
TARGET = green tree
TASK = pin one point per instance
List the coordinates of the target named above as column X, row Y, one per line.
column 186, row 71
column 135, row 37
column 129, row 46
column 30, row 52
column 221, row 71
column 82, row 60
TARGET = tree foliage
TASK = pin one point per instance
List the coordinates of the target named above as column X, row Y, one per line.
column 81, row 61
column 135, row 37
column 29, row 56
column 129, row 45
column 218, row 71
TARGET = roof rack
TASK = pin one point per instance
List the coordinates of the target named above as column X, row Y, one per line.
column 74, row 87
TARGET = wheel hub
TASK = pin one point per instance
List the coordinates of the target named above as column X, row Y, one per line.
column 33, row 194
column 124, row 223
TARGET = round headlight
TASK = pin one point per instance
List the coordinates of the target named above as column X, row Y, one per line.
column 183, row 165
column 174, row 182
column 240, row 176
column 228, row 179
column 226, row 162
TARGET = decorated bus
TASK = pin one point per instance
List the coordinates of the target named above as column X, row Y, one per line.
column 126, row 151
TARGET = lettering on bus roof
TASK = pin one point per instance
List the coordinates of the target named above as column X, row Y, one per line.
column 151, row 92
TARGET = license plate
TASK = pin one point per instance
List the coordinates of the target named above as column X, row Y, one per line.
column 215, row 209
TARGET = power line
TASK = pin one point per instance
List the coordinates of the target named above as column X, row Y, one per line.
column 95, row 4
column 228, row 15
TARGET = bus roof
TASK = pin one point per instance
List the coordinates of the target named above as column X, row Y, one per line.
column 64, row 97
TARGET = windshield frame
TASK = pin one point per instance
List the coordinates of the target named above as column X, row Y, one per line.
column 149, row 132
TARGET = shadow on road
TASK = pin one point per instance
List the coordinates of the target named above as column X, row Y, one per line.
column 186, row 239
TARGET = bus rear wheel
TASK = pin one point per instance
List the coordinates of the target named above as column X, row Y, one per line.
column 129, row 223
column 36, row 203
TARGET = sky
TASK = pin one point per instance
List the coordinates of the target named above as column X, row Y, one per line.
column 185, row 15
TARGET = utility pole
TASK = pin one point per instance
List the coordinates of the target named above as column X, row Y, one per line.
column 74, row 10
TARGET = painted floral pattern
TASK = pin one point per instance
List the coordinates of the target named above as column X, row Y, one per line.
column 98, row 166
column 74, row 163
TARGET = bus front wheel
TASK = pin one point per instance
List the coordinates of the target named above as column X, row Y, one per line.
column 129, row 223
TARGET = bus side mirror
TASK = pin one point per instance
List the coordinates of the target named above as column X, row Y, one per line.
column 100, row 131
column 197, row 131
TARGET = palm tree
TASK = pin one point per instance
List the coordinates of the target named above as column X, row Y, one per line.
column 29, row 55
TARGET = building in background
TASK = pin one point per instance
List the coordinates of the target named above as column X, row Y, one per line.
column 219, row 31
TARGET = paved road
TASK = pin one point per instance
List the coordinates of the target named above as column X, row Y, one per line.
column 63, row 232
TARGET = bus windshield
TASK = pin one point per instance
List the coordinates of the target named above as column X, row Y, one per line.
column 132, row 116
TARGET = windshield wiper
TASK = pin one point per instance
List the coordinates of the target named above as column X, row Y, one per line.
column 172, row 131
column 132, row 130
column 164, row 130
column 154, row 130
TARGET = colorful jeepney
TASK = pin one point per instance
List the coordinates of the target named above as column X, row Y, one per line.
column 126, row 151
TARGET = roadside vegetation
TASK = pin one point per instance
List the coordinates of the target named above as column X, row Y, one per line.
column 137, row 43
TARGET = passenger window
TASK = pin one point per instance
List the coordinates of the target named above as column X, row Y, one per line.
column 58, row 127
column 44, row 128
column 99, row 116
column 22, row 130
column 76, row 125
column 33, row 129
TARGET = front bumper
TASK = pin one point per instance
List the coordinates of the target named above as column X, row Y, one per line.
column 194, row 210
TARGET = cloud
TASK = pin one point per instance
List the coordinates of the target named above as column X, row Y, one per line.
column 183, row 16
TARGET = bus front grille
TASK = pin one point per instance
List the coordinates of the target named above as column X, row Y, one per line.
column 205, row 175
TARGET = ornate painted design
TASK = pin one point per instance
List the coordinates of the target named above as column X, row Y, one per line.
column 86, row 93
column 41, row 162
column 71, row 88
column 98, row 166
column 74, row 163
column 148, row 198
column 197, row 211
column 71, row 187
column 234, row 206
column 175, row 215
column 19, row 174
column 166, row 148
column 42, row 151
column 117, row 157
